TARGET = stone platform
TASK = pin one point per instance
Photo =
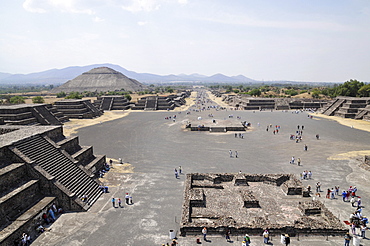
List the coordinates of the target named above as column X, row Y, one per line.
column 250, row 203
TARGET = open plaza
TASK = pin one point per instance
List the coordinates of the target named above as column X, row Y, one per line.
column 153, row 144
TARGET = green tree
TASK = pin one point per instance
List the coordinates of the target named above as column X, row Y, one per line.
column 349, row 88
column 255, row 92
column 38, row 99
column 74, row 95
column 61, row 94
column 128, row 97
column 16, row 100
column 364, row 91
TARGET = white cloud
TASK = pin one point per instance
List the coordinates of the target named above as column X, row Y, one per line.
column 142, row 5
column 33, row 6
column 98, row 19
column 69, row 6
column 254, row 22
column 142, row 23
column 183, row 2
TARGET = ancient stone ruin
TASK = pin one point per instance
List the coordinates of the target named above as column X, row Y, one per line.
column 100, row 79
column 39, row 167
column 78, row 108
column 161, row 102
column 32, row 114
column 348, row 107
column 250, row 203
column 112, row 103
column 247, row 102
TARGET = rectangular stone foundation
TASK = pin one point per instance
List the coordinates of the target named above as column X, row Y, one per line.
column 250, row 203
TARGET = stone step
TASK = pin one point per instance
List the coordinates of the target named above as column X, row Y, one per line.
column 24, row 222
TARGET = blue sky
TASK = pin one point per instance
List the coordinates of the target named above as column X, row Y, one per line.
column 264, row 40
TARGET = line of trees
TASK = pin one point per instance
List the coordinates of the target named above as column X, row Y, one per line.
column 351, row 88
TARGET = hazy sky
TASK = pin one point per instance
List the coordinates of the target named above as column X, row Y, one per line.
column 297, row 40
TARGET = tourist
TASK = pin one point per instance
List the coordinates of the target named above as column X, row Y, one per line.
column 127, row 198
column 328, row 193
column 305, row 147
column 347, row 195
column 317, row 136
column 174, row 242
column 265, row 236
column 247, row 240
column 51, row 214
column 180, row 170
column 318, row 187
column 176, row 174
column 309, row 174
column 292, row 161
column 359, row 202
column 130, row 200
column 204, row 232
column 244, row 243
column 114, row 202
column 337, row 190
column 344, row 194
column 25, row 239
column 230, row 153
column 299, row 161
column 363, row 229
column 332, row 193
column 352, row 201
column 119, row 202
column 227, row 235
column 287, row 239
column 353, row 228
column 236, row 154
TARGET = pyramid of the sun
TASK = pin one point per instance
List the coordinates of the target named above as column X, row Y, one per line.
column 100, row 79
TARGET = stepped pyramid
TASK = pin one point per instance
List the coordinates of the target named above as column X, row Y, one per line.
column 100, row 79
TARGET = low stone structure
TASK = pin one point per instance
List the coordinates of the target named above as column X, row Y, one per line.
column 39, row 166
column 161, row 102
column 250, row 203
column 78, row 108
column 114, row 102
column 32, row 114
column 348, row 107
column 247, row 102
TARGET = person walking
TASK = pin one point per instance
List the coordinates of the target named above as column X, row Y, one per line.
column 176, row 174
column 204, row 232
column 299, row 161
column 265, row 236
column 227, row 235
column 247, row 240
column 230, row 153
column 127, row 197
column 236, row 154
column 180, row 169
column 347, row 239
column 287, row 239
column 305, row 147
column 119, row 202
column 114, row 202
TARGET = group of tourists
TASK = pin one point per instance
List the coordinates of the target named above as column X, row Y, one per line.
column 128, row 200
column 235, row 154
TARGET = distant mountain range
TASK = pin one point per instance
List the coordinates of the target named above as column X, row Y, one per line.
column 60, row 76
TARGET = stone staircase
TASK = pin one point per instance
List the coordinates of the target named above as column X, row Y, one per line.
column 151, row 103
column 57, row 164
column 77, row 108
column 332, row 107
column 21, row 202
column 31, row 114
column 44, row 116
column 106, row 104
